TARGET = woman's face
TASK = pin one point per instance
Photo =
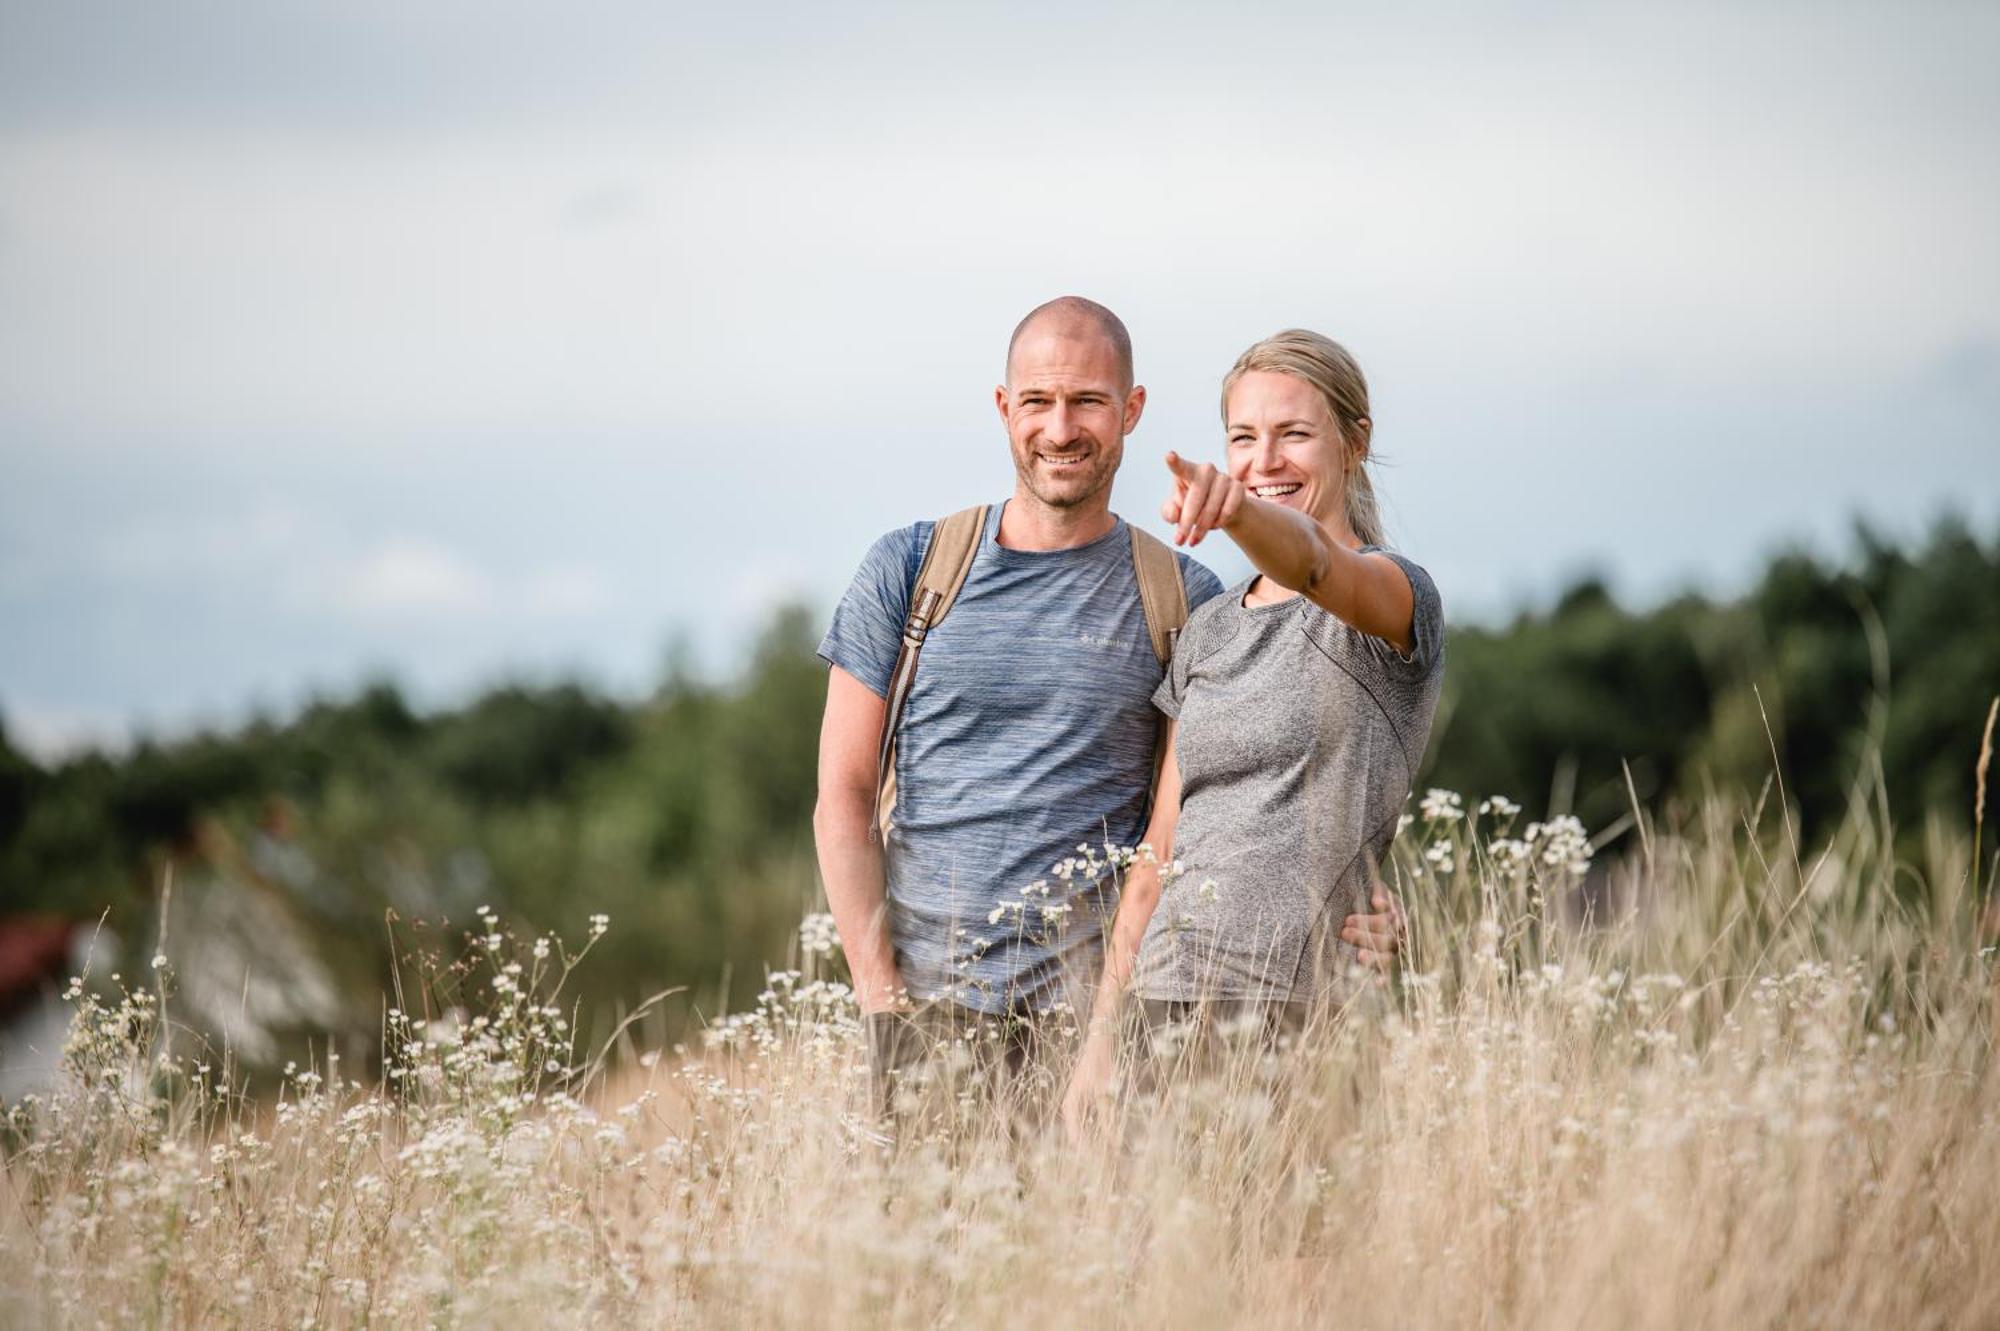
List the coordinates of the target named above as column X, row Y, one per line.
column 1284, row 444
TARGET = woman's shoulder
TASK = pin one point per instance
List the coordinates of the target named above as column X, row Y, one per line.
column 1215, row 617
column 1425, row 658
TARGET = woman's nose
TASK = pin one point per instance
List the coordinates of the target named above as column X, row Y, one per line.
column 1269, row 456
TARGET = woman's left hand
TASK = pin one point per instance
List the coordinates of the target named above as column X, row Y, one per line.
column 1378, row 936
column 1204, row 498
column 1090, row 1083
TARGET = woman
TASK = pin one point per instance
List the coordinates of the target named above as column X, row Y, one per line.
column 1299, row 701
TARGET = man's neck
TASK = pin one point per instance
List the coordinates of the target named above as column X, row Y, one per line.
column 1028, row 524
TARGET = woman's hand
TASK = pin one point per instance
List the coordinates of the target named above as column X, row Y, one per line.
column 1203, row 499
column 1090, row 1083
column 1379, row 936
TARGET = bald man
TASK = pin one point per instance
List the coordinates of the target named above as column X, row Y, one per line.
column 1028, row 733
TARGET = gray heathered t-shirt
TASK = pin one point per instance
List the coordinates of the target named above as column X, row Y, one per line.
column 1299, row 739
column 1029, row 729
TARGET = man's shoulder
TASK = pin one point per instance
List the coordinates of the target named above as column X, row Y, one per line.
column 1195, row 576
column 1213, row 608
column 893, row 555
column 1202, row 585
column 898, row 540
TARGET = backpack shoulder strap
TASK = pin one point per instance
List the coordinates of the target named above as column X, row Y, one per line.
column 1162, row 594
column 948, row 558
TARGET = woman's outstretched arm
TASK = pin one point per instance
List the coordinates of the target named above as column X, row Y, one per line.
column 1292, row 550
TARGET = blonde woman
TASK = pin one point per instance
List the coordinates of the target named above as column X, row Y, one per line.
column 1300, row 702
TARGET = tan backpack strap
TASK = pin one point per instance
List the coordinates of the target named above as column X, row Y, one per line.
column 954, row 544
column 1162, row 594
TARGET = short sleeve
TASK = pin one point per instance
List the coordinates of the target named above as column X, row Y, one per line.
column 1426, row 622
column 867, row 626
column 1201, row 586
column 1173, row 685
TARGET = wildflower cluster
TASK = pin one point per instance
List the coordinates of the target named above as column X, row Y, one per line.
column 1557, row 847
column 1041, row 909
column 1442, row 806
column 818, row 936
column 153, row 1185
column 111, row 1088
column 490, row 1066
column 792, row 1011
column 1561, row 844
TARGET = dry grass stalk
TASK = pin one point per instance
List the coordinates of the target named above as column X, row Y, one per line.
column 1682, row 1114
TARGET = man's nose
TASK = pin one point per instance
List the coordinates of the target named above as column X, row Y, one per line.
column 1060, row 426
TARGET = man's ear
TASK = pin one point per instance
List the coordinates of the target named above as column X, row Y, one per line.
column 1000, row 401
column 1135, row 406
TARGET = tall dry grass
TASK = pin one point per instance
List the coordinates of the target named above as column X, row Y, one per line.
column 1720, row 1082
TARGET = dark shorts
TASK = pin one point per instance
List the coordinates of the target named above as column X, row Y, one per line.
column 1217, row 1052
column 1190, row 1040
column 941, row 1063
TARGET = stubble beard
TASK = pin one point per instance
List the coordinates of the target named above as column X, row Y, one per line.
column 1068, row 493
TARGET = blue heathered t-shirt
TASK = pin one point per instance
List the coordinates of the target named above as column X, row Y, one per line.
column 1029, row 730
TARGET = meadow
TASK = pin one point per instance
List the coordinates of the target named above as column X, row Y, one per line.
column 1718, row 1078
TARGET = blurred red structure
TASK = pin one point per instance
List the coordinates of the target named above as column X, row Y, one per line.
column 34, row 952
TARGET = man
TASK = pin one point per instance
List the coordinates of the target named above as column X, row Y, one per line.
column 1028, row 730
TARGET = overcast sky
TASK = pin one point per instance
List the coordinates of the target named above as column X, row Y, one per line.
column 468, row 341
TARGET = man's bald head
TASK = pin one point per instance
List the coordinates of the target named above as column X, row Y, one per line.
column 1074, row 316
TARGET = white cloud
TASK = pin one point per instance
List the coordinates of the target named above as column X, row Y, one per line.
column 565, row 591
column 49, row 734
column 408, row 577
column 414, row 577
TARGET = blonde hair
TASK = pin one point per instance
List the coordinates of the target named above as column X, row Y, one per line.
column 1327, row 366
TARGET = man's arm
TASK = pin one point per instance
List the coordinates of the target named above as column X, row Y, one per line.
column 850, row 859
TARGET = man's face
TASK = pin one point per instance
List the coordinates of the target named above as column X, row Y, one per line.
column 1067, row 411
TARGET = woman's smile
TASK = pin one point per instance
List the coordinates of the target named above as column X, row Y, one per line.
column 1289, row 493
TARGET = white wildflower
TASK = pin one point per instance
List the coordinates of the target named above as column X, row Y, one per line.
column 1441, row 806
column 818, row 936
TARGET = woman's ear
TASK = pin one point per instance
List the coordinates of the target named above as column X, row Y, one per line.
column 1363, row 429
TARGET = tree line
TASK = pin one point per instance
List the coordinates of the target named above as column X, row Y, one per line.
column 686, row 816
